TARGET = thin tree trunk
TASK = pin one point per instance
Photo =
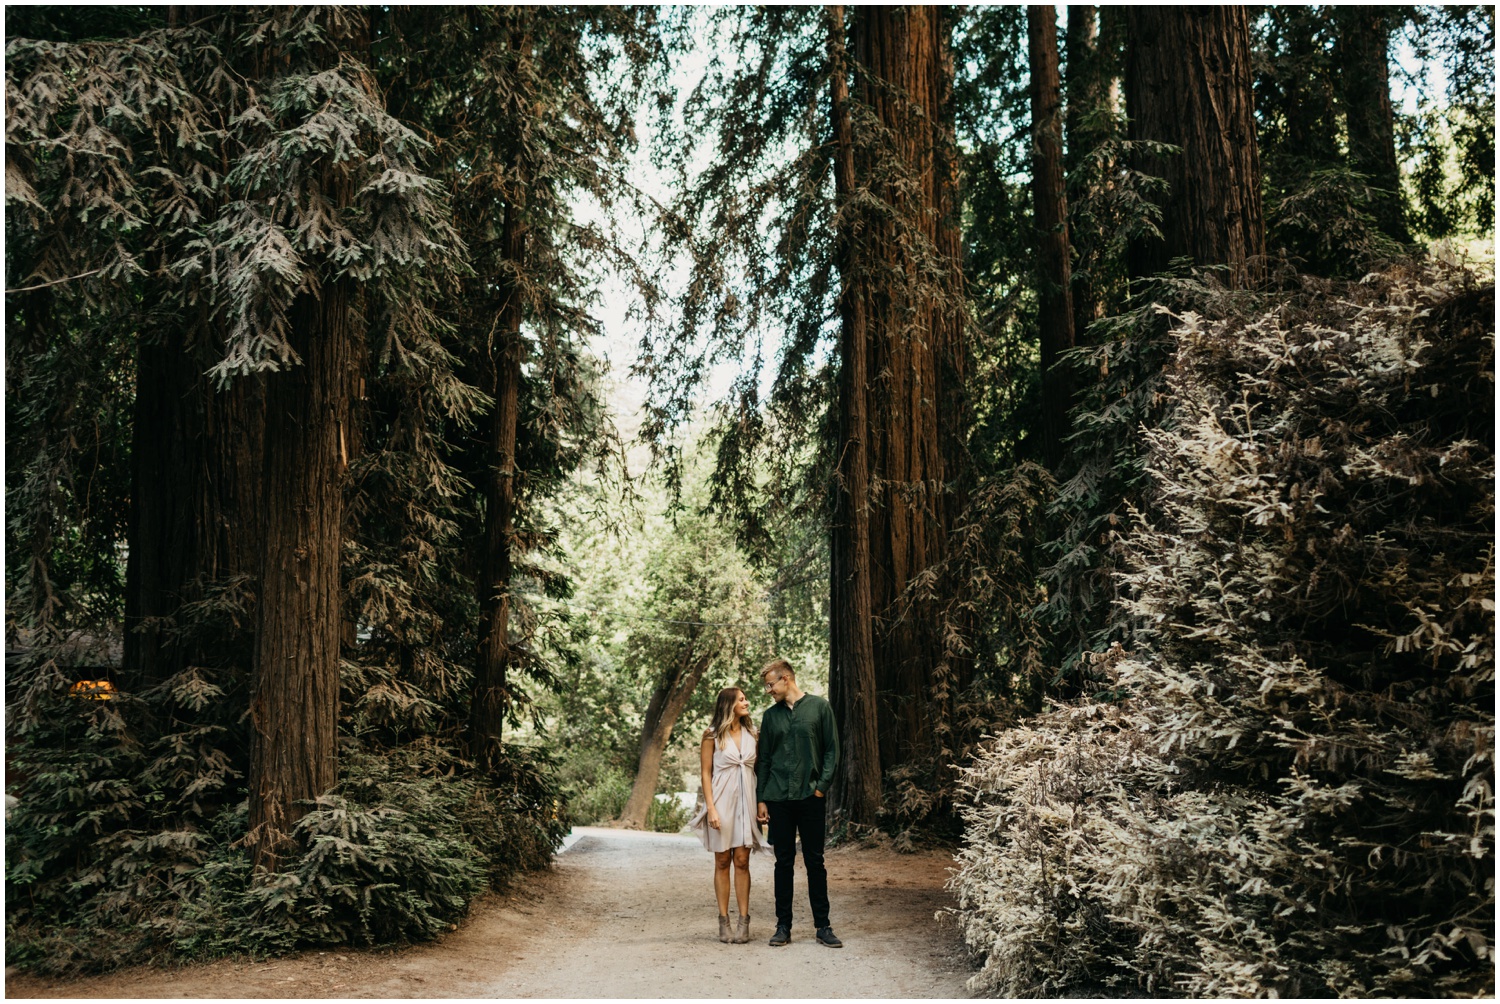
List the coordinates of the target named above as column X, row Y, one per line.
column 1088, row 105
column 1188, row 83
column 1050, row 210
column 1363, row 52
column 856, row 788
column 491, row 685
column 667, row 705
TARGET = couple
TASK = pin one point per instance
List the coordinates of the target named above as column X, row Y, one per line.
column 793, row 756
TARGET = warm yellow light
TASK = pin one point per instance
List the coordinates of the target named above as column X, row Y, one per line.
column 93, row 690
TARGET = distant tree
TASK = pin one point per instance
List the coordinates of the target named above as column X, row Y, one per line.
column 704, row 614
column 1092, row 110
column 1362, row 51
column 1050, row 207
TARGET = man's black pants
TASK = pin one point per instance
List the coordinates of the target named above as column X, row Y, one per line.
column 805, row 818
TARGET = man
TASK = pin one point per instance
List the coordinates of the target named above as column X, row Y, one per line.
column 799, row 747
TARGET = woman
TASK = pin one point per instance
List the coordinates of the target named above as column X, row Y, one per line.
column 726, row 823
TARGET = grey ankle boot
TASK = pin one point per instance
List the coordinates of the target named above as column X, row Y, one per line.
column 742, row 930
column 724, row 931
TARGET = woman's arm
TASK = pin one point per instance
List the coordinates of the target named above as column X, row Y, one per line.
column 706, row 756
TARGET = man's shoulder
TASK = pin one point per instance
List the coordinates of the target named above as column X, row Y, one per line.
column 814, row 701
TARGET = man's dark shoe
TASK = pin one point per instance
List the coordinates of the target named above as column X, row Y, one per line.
column 782, row 936
column 827, row 937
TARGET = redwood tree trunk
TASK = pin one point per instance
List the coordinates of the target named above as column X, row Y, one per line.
column 195, row 505
column 491, row 692
column 916, row 361
column 1050, row 210
column 856, row 786
column 1188, row 83
column 667, row 705
column 1091, row 102
column 294, row 711
column 1363, row 52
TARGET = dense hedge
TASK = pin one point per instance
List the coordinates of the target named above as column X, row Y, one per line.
column 1288, row 788
column 126, row 843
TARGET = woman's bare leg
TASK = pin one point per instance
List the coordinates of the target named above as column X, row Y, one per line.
column 722, row 861
column 741, row 881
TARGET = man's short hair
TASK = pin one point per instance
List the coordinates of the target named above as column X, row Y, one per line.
column 778, row 666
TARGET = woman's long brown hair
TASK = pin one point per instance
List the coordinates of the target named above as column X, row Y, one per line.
column 723, row 718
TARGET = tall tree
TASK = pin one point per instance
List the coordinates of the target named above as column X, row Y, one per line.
column 1362, row 51
column 550, row 117
column 501, row 366
column 1188, row 83
column 914, row 311
column 299, row 618
column 1050, row 209
column 857, row 788
column 1092, row 96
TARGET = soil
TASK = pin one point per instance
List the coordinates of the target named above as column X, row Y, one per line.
column 620, row 914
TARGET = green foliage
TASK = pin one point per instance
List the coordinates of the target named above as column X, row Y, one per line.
column 600, row 797
column 1326, row 223
column 1450, row 142
column 666, row 815
column 1120, row 384
column 127, row 843
column 1290, row 792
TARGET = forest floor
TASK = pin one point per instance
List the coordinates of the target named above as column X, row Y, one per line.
column 621, row 914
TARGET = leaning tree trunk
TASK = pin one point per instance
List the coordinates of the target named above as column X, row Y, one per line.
column 856, row 786
column 915, row 365
column 1188, row 82
column 491, row 686
column 667, row 705
column 1050, row 209
column 1363, row 53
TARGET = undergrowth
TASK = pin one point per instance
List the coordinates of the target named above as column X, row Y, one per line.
column 1284, row 784
column 126, row 845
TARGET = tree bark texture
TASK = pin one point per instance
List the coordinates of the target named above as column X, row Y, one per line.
column 1092, row 101
column 1363, row 54
column 294, row 711
column 856, row 787
column 1050, row 218
column 903, row 266
column 195, row 504
column 1188, row 82
column 491, row 686
column 667, row 703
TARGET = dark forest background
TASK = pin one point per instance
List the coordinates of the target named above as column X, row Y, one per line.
column 1109, row 435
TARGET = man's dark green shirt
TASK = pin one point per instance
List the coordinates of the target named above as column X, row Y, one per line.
column 797, row 751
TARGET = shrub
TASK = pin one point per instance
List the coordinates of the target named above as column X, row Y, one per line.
column 1291, row 790
column 602, row 800
column 112, row 856
column 666, row 815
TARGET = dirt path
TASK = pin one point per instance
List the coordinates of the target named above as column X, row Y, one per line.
column 623, row 914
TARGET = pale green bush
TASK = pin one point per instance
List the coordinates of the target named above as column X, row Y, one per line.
column 1290, row 792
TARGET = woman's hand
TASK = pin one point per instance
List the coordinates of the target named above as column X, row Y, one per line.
column 713, row 817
